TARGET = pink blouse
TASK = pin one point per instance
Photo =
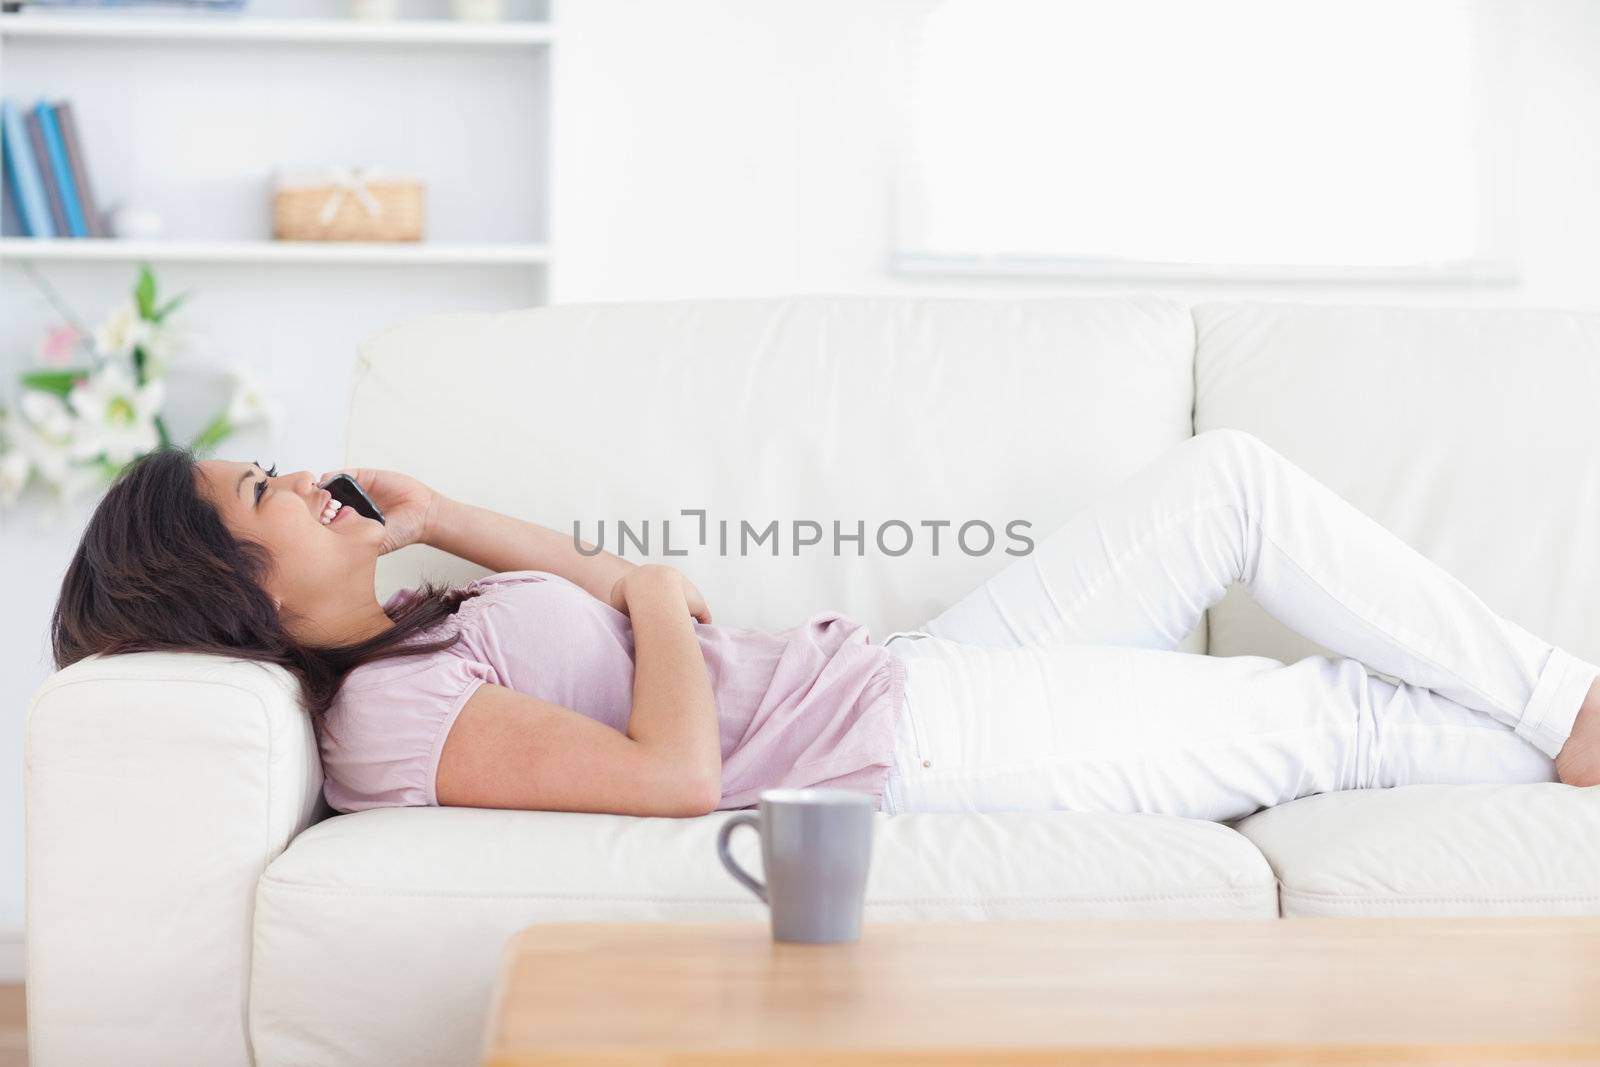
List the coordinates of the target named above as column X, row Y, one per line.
column 816, row 704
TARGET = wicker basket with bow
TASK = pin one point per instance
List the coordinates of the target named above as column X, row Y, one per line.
column 347, row 204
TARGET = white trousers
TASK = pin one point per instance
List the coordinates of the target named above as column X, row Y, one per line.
column 1055, row 685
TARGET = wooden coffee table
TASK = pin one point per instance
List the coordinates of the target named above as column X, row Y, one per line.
column 1444, row 992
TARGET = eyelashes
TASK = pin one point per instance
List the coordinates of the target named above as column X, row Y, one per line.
column 261, row 487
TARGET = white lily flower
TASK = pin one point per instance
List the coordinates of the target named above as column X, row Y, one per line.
column 122, row 332
column 50, row 453
column 48, row 413
column 116, row 415
column 15, row 466
column 250, row 402
column 163, row 342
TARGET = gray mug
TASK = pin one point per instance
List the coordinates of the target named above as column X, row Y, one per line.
column 816, row 848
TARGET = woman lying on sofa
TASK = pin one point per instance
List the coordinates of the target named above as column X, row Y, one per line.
column 573, row 680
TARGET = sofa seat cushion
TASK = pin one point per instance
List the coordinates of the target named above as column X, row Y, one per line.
column 404, row 911
column 1531, row 849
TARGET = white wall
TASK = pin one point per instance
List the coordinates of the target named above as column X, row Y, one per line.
column 731, row 148
column 745, row 147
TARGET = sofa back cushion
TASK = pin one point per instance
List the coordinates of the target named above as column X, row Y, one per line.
column 822, row 409
column 1470, row 433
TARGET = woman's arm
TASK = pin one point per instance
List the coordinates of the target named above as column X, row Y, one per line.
column 502, row 543
column 674, row 709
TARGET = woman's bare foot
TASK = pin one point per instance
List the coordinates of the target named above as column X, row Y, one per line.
column 1578, row 762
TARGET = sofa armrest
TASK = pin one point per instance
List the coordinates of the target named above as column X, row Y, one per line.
column 159, row 786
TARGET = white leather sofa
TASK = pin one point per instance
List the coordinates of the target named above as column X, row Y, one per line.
column 190, row 901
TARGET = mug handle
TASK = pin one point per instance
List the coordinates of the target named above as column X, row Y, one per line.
column 753, row 820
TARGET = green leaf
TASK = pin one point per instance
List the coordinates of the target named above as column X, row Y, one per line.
column 59, row 382
column 215, row 431
column 145, row 292
column 170, row 306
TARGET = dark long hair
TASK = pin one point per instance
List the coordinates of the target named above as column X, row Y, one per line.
column 159, row 571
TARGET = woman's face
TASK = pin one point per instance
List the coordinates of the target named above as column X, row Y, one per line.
column 310, row 559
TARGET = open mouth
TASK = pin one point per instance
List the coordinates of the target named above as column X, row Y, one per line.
column 334, row 512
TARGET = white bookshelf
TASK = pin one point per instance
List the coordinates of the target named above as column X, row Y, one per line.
column 249, row 29
column 190, row 114
column 422, row 253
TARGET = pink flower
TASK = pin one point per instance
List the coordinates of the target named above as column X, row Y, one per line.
column 59, row 343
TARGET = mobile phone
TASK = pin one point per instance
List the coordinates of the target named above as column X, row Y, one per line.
column 346, row 490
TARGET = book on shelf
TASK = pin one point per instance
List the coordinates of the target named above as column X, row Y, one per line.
column 22, row 172
column 52, row 190
column 68, row 121
column 47, row 171
column 60, row 170
column 10, row 220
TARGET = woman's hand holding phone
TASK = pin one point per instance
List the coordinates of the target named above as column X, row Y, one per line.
column 408, row 505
